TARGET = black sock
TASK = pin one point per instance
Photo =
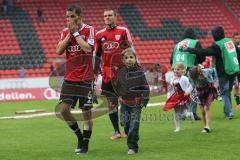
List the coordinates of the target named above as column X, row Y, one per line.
column 126, row 129
column 86, row 137
column 76, row 130
column 114, row 119
column 87, row 134
column 237, row 99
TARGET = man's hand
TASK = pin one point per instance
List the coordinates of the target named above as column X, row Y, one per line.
column 183, row 49
column 73, row 27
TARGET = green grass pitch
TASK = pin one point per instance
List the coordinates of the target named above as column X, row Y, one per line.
column 49, row 138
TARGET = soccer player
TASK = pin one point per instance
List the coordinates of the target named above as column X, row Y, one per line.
column 109, row 43
column 77, row 40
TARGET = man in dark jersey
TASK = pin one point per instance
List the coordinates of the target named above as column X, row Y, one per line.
column 109, row 43
column 77, row 40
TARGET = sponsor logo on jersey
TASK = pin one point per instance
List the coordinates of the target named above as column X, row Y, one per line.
column 75, row 48
column 107, row 46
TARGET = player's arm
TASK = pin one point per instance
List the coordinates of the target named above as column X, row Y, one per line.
column 127, row 40
column 213, row 50
column 199, row 58
column 85, row 46
column 62, row 45
column 97, row 55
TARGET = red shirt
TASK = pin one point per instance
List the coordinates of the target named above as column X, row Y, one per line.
column 79, row 65
column 109, row 43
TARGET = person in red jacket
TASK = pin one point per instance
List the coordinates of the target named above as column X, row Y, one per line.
column 109, row 43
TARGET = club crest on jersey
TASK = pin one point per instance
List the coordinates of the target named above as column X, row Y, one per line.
column 117, row 37
column 184, row 44
column 230, row 46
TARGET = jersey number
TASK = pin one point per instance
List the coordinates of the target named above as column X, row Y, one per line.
column 180, row 57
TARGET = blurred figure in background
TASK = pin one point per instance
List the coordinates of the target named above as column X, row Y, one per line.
column 236, row 41
column 40, row 15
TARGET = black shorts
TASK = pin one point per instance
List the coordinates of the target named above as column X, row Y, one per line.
column 72, row 92
column 109, row 92
column 107, row 89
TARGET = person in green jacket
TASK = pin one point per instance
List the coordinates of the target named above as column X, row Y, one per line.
column 226, row 62
column 189, row 60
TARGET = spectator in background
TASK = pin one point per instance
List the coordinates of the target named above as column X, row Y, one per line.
column 10, row 5
column 236, row 41
column 5, row 6
column 22, row 71
column 40, row 15
column 51, row 68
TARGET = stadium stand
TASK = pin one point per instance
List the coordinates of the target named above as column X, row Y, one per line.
column 155, row 27
column 234, row 6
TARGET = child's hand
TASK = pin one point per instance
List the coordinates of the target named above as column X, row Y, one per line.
column 238, row 107
column 120, row 99
column 186, row 94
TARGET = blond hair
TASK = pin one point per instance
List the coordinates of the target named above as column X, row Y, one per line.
column 180, row 66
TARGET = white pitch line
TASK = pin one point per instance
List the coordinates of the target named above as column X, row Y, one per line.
column 74, row 112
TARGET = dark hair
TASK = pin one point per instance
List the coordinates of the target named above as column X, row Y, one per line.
column 75, row 8
column 132, row 51
column 218, row 33
column 190, row 33
column 194, row 72
column 236, row 34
